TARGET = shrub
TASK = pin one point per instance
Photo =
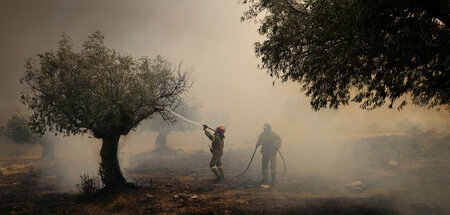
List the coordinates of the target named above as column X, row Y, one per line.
column 89, row 185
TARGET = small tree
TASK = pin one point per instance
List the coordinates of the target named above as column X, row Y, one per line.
column 100, row 91
column 164, row 128
column 18, row 130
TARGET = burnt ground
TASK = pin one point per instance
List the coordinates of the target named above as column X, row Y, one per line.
column 182, row 184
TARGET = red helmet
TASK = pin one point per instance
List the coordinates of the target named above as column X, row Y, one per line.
column 221, row 129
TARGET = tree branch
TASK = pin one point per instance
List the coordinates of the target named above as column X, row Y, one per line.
column 436, row 8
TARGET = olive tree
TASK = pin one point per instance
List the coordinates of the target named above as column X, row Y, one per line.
column 18, row 130
column 100, row 91
column 363, row 51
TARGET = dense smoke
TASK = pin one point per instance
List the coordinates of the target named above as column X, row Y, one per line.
column 410, row 148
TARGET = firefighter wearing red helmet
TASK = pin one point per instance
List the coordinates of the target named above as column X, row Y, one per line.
column 217, row 151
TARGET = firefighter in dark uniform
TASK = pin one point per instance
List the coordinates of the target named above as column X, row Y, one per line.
column 217, row 151
column 270, row 142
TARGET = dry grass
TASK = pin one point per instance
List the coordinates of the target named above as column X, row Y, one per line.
column 15, row 168
column 120, row 203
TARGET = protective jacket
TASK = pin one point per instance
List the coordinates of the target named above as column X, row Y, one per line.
column 270, row 141
column 217, row 142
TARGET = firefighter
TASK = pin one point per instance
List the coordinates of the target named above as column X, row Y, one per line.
column 270, row 142
column 217, row 151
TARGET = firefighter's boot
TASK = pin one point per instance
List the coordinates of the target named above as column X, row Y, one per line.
column 265, row 177
column 274, row 179
column 222, row 176
column 216, row 172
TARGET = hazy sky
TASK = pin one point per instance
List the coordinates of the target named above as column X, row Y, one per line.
column 206, row 35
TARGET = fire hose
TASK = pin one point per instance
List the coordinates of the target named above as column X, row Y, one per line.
column 251, row 160
column 249, row 163
column 190, row 121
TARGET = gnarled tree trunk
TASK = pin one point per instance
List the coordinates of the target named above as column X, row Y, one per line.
column 48, row 150
column 109, row 167
column 161, row 139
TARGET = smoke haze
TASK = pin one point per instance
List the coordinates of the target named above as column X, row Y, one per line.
column 208, row 37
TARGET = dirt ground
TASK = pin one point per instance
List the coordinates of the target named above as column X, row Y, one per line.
column 182, row 184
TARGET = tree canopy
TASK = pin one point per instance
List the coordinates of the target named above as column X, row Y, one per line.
column 363, row 51
column 97, row 89
column 100, row 91
column 18, row 130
